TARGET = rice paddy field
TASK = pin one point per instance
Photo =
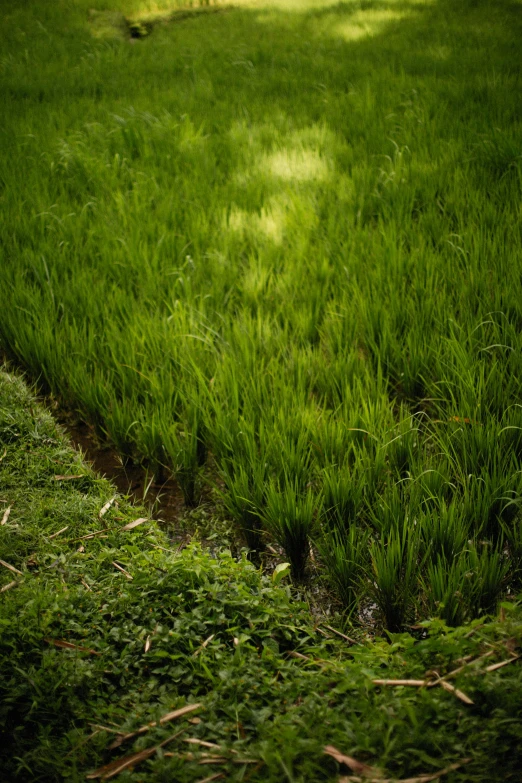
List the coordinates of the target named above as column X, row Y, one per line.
column 275, row 248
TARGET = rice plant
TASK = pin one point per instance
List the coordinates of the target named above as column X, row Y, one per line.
column 343, row 496
column 387, row 513
column 185, row 449
column 489, row 500
column 244, row 499
column 513, row 537
column 444, row 532
column 401, row 449
column 489, row 569
column 290, row 517
column 393, row 575
column 466, row 585
column 447, row 588
column 344, row 552
column 432, row 483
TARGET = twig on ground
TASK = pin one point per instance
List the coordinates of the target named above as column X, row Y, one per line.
column 6, row 515
column 413, row 683
column 495, row 666
column 10, row 567
column 123, row 571
column 365, row 770
column 59, row 532
column 106, row 507
column 456, row 692
column 115, row 767
column 89, row 535
column 367, row 774
column 9, row 586
column 342, row 635
column 165, row 719
column 203, row 645
column 132, row 525
column 70, row 646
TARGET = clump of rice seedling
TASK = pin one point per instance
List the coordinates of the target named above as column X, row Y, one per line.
column 394, row 568
column 467, row 585
column 488, row 500
column 432, row 484
column 185, row 449
column 489, row 568
column 447, row 588
column 151, row 441
column 486, row 477
column 444, row 531
column 332, row 442
column 401, row 449
column 287, row 442
column 120, row 424
column 344, row 551
column 513, row 537
column 343, row 496
column 244, row 499
column 290, row 516
column 472, row 445
column 500, row 154
column 510, row 436
column 387, row 513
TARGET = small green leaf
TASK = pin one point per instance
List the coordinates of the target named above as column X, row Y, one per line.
column 280, row 571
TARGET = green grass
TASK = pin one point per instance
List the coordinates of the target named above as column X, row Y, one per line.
column 137, row 651
column 278, row 249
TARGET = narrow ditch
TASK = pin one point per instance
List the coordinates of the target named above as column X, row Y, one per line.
column 163, row 499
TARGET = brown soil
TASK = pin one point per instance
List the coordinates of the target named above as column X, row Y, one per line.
column 164, row 499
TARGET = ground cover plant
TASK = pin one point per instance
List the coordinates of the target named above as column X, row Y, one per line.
column 122, row 657
column 278, row 249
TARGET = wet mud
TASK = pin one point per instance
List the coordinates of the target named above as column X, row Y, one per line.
column 163, row 499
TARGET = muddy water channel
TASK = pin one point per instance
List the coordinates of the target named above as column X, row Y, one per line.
column 162, row 498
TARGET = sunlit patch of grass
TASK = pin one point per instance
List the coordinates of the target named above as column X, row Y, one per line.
column 270, row 222
column 366, row 23
column 280, row 164
column 279, row 182
column 162, row 10
column 300, row 165
column 107, row 24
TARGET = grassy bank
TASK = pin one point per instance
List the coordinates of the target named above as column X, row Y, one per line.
column 90, row 653
column 279, row 248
